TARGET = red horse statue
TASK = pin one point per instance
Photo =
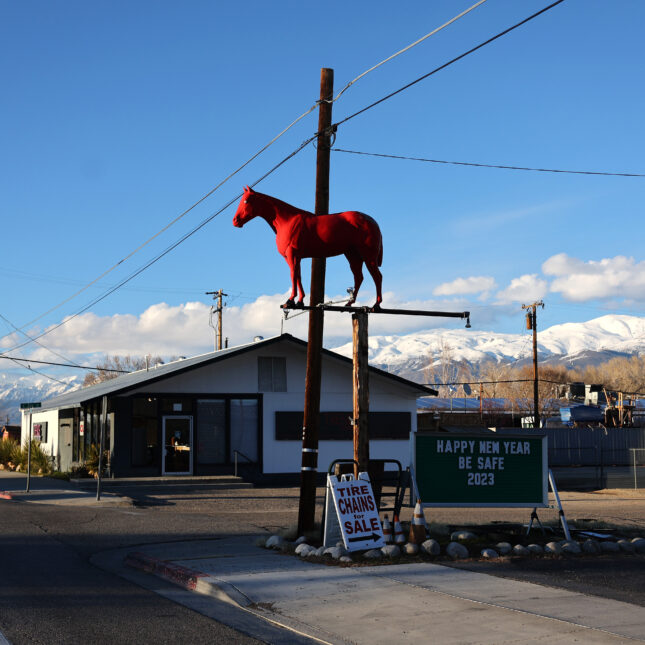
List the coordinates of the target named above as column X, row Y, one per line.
column 300, row 234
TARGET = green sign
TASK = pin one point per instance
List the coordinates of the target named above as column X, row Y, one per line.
column 29, row 406
column 489, row 470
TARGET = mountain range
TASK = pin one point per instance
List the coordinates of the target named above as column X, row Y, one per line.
column 569, row 344
column 574, row 345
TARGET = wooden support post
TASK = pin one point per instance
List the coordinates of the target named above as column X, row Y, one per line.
column 311, row 418
column 361, row 392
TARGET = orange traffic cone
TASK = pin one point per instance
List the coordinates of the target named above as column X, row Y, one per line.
column 418, row 527
column 399, row 538
column 387, row 530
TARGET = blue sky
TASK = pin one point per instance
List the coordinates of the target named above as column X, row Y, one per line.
column 118, row 116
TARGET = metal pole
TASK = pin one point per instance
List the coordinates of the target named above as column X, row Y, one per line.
column 311, row 417
column 29, row 453
column 101, row 444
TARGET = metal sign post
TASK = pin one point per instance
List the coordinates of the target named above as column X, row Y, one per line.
column 101, row 444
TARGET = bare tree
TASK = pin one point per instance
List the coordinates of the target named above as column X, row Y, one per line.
column 112, row 366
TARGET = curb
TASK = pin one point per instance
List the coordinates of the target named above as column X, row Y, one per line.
column 182, row 576
column 187, row 578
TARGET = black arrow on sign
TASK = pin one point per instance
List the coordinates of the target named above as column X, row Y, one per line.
column 374, row 537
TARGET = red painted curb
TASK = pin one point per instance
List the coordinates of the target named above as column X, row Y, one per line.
column 5, row 495
column 181, row 576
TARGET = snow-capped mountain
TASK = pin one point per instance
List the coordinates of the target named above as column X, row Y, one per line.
column 15, row 390
column 571, row 344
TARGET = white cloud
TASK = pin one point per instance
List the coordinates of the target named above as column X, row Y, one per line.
column 524, row 288
column 184, row 330
column 460, row 286
column 619, row 277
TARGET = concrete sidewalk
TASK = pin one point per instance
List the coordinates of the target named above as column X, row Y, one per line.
column 46, row 490
column 407, row 603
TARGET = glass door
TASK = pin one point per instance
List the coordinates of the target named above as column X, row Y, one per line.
column 178, row 446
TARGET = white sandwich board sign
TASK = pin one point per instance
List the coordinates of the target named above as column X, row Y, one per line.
column 356, row 513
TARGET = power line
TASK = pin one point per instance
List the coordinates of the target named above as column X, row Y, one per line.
column 410, row 46
column 31, row 369
column 158, row 257
column 37, row 342
column 75, row 365
column 487, row 165
column 450, row 62
column 246, row 163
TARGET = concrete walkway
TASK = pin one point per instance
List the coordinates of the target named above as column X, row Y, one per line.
column 409, row 603
column 46, row 490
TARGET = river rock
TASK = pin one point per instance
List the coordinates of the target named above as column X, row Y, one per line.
column 503, row 548
column 373, row 554
column 345, row 558
column 303, row 549
column 301, row 540
column 609, row 547
column 411, row 548
column 274, row 542
column 639, row 544
column 553, row 548
column 335, row 552
column 571, row 547
column 431, row 547
column 460, row 536
column 489, row 554
column 626, row 546
column 391, row 551
column 520, row 549
column 591, row 546
column 457, row 551
column 536, row 549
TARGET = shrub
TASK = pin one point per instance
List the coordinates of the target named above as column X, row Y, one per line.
column 7, row 448
column 92, row 461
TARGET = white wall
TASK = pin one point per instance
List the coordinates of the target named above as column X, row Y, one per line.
column 238, row 375
column 50, row 447
column 336, row 395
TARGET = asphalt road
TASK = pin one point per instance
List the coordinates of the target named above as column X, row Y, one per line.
column 50, row 592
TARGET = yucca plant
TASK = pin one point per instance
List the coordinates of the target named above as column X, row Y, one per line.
column 7, row 449
column 92, row 461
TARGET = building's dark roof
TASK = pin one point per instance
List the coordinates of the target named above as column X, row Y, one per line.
column 125, row 382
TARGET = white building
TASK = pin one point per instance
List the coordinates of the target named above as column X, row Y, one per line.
column 193, row 416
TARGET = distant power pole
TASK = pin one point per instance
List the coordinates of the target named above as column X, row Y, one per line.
column 531, row 323
column 217, row 295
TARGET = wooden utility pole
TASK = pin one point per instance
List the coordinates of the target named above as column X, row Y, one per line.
column 218, row 295
column 311, row 419
column 361, row 392
column 531, row 323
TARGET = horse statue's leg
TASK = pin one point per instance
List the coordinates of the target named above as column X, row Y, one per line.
column 301, row 291
column 356, row 265
column 294, row 267
column 372, row 267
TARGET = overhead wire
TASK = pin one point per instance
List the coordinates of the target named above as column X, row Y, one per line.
column 487, row 165
column 158, row 257
column 450, row 62
column 20, row 331
column 246, row 163
column 410, row 46
column 75, row 365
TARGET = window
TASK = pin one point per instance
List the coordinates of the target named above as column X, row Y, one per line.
column 211, row 431
column 145, row 431
column 39, row 432
column 272, row 374
column 244, row 428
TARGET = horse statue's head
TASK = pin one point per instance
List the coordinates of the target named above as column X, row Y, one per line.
column 247, row 208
